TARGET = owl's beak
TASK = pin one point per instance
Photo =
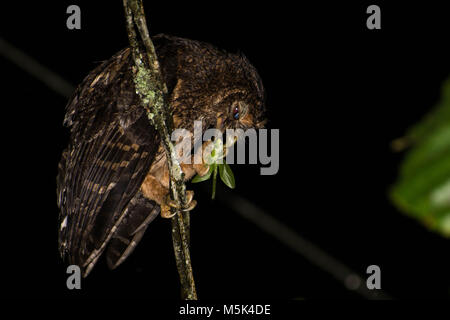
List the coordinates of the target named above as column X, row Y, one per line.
column 261, row 124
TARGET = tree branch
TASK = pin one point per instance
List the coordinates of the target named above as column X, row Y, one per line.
column 152, row 90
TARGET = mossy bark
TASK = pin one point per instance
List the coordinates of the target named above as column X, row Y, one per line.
column 152, row 91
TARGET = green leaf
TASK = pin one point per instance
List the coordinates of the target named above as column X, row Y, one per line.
column 227, row 175
column 198, row 178
column 423, row 186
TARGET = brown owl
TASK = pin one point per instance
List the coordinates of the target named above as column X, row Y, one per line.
column 113, row 177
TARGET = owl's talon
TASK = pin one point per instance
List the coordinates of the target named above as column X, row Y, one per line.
column 166, row 212
column 169, row 203
column 189, row 196
column 191, row 206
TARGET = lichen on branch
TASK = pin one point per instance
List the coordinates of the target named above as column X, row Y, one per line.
column 152, row 91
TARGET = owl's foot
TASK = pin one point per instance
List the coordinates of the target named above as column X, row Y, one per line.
column 169, row 203
column 201, row 169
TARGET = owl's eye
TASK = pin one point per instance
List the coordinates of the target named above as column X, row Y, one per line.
column 236, row 112
column 239, row 110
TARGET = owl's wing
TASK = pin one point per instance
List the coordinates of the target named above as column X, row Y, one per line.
column 112, row 146
column 137, row 216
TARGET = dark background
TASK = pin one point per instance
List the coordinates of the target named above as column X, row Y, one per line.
column 338, row 92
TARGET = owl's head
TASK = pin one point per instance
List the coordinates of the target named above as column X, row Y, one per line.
column 222, row 89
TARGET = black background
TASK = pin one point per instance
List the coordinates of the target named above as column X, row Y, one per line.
column 338, row 92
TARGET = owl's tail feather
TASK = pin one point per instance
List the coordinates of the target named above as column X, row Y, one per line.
column 141, row 211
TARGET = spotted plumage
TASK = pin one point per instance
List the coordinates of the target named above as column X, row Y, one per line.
column 112, row 178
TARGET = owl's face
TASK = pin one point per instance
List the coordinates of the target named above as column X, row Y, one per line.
column 238, row 95
column 221, row 89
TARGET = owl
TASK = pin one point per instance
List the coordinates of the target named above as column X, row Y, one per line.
column 113, row 177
